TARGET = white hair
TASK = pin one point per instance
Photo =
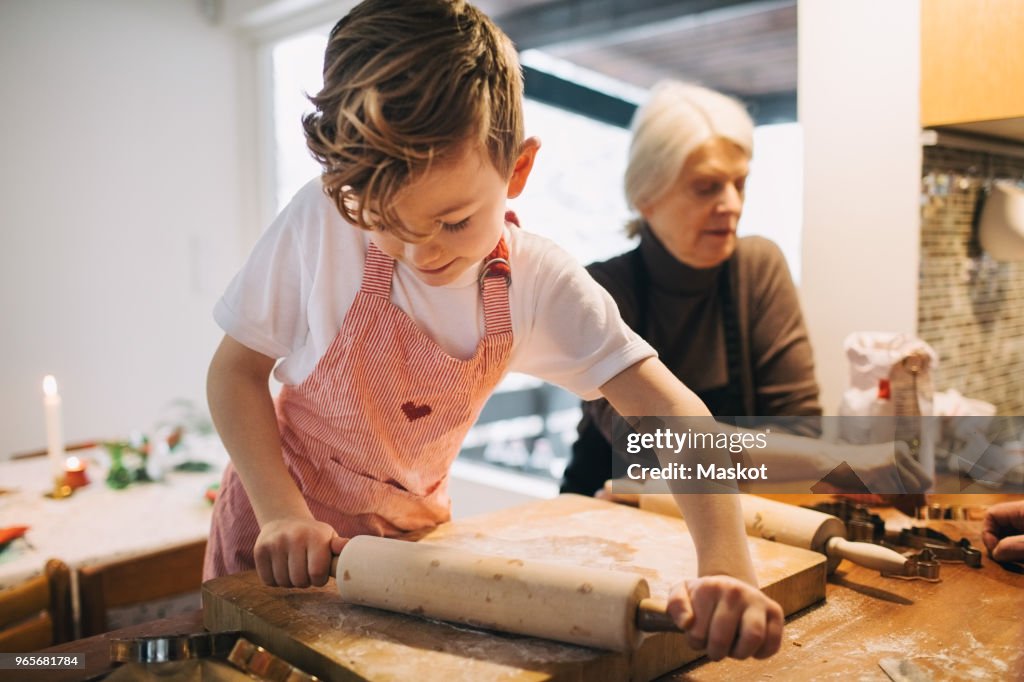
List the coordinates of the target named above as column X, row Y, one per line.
column 675, row 120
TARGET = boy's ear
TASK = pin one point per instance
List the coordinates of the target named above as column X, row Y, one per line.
column 524, row 164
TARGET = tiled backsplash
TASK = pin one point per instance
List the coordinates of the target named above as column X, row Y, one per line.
column 971, row 308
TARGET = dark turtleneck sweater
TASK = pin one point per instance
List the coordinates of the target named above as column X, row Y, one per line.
column 684, row 321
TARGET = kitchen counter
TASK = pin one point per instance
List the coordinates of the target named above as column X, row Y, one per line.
column 968, row 626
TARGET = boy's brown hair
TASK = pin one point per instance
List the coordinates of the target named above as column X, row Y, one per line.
column 407, row 84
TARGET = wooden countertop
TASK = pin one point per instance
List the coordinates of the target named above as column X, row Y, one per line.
column 968, row 626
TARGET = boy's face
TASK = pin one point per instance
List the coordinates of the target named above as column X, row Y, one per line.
column 461, row 206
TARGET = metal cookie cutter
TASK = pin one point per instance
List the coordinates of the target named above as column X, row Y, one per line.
column 172, row 647
column 952, row 512
column 920, row 566
column 261, row 664
column 861, row 524
column 941, row 545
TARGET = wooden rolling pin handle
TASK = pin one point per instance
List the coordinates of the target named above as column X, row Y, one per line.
column 865, row 554
column 652, row 616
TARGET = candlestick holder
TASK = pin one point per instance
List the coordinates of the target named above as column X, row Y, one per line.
column 61, row 490
column 74, row 473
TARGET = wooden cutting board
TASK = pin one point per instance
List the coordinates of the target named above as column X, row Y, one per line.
column 314, row 630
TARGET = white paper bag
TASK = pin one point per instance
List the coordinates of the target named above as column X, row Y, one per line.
column 890, row 376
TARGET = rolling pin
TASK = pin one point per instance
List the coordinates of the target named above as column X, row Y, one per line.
column 796, row 526
column 579, row 605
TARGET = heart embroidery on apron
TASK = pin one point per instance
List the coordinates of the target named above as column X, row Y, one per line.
column 414, row 412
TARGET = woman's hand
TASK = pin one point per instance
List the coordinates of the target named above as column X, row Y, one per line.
column 886, row 468
column 727, row 617
column 1003, row 533
column 296, row 552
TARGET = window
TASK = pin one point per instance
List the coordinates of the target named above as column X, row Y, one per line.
column 574, row 194
column 297, row 65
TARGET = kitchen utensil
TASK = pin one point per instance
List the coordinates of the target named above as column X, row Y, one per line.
column 796, row 526
column 166, row 648
column 585, row 606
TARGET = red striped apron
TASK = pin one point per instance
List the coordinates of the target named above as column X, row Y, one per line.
column 370, row 435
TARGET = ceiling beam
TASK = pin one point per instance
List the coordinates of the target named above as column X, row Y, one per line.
column 595, row 22
column 571, row 96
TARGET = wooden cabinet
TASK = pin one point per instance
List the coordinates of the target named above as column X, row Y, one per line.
column 972, row 61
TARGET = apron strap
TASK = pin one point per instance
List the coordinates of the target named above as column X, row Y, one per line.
column 377, row 271
column 496, row 264
column 495, row 279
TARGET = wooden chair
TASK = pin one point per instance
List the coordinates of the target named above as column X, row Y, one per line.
column 138, row 580
column 37, row 613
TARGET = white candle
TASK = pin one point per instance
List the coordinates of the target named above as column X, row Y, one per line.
column 54, row 425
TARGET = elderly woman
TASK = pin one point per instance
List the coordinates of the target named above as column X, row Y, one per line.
column 721, row 311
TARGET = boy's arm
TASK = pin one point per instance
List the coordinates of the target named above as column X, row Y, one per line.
column 243, row 412
column 722, row 610
column 648, row 388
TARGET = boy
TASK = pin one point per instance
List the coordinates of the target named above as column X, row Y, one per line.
column 397, row 296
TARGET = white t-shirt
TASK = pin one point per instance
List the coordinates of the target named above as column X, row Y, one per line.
column 291, row 296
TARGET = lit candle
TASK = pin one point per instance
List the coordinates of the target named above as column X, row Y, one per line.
column 74, row 472
column 54, row 425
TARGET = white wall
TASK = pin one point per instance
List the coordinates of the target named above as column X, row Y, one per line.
column 120, row 207
column 859, row 75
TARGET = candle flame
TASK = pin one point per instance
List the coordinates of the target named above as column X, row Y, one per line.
column 73, row 462
column 49, row 385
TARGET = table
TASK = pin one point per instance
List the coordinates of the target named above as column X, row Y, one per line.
column 97, row 524
column 966, row 627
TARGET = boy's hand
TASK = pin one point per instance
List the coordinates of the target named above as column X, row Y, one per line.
column 296, row 552
column 727, row 617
